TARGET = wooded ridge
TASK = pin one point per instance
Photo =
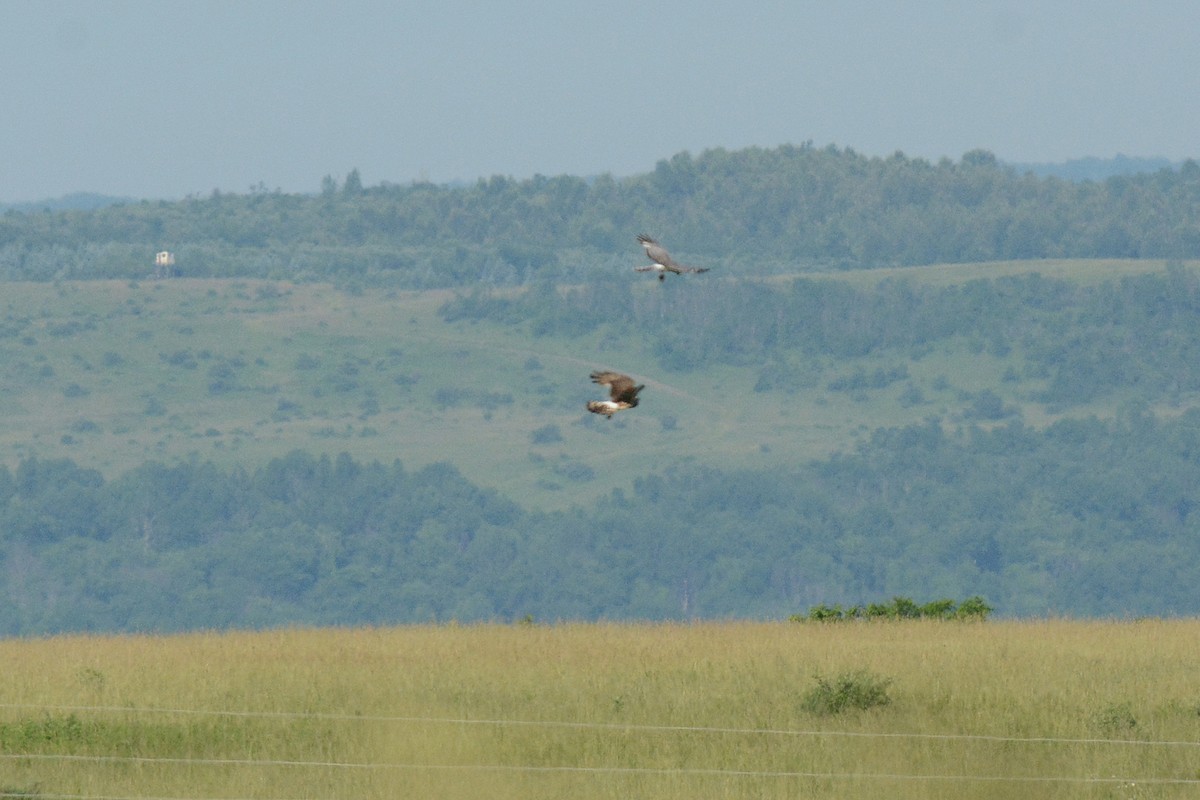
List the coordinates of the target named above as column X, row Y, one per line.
column 749, row 212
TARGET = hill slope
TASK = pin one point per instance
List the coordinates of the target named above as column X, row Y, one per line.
column 273, row 453
column 111, row 374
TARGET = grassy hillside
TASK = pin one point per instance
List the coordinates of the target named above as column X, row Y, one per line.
column 114, row 373
column 988, row 710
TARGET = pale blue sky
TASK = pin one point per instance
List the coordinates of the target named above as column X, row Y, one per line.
column 166, row 99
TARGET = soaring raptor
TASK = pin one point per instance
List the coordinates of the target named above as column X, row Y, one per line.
column 622, row 393
column 663, row 263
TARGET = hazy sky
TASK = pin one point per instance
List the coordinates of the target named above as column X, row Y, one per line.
column 164, row 99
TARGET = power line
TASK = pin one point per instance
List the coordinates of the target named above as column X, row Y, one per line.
column 690, row 771
column 603, row 725
column 561, row 769
column 45, row 796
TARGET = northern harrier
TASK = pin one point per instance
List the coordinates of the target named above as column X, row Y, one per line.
column 663, row 263
column 621, row 391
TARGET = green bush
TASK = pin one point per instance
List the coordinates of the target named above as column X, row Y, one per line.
column 822, row 613
column 49, row 730
column 1116, row 719
column 858, row 689
column 973, row 608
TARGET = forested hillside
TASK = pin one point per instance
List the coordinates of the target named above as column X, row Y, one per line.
column 749, row 212
column 287, row 436
column 1085, row 517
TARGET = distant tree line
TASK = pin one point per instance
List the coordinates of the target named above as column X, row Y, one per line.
column 751, row 211
column 1087, row 517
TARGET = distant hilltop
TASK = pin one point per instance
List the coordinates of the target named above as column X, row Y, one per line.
column 77, row 201
column 1096, row 169
column 1089, row 168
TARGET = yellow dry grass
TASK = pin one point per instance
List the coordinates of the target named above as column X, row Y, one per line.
column 1054, row 709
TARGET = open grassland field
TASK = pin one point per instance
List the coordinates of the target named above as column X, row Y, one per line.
column 1079, row 270
column 970, row 710
column 111, row 374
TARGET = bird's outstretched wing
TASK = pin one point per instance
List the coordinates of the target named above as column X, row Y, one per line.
column 662, row 259
column 622, row 392
column 658, row 254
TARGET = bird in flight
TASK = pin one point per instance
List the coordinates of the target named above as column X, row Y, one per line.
column 663, row 263
column 622, row 393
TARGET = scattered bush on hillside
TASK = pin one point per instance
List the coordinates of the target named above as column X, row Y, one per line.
column 454, row 397
column 987, row 406
column 973, row 608
column 576, row 471
column 547, row 434
column 862, row 380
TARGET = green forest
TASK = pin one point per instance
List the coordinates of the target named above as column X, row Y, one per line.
column 900, row 379
column 1083, row 518
column 749, row 212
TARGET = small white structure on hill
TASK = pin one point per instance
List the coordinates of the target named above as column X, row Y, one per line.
column 164, row 264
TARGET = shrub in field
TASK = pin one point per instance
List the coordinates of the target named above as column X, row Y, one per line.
column 1116, row 719
column 858, row 689
column 973, row 608
column 48, row 730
